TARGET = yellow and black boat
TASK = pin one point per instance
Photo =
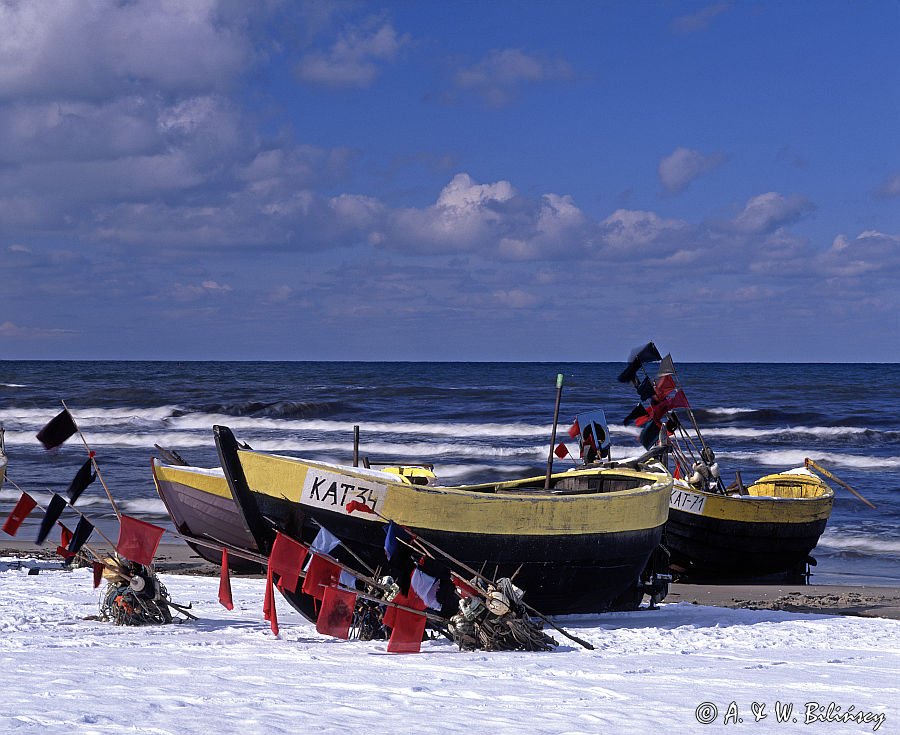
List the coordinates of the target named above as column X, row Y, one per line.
column 768, row 528
column 580, row 546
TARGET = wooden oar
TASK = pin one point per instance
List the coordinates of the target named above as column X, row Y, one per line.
column 819, row 468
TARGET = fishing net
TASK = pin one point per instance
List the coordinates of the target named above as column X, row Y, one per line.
column 135, row 595
column 498, row 622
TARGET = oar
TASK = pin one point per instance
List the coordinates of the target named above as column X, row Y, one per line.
column 819, row 468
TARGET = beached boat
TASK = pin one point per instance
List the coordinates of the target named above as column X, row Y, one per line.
column 718, row 533
column 769, row 530
column 201, row 507
column 582, row 546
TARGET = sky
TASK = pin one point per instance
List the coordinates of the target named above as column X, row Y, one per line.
column 325, row 180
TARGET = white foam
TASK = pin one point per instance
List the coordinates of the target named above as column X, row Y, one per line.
column 13, row 385
column 728, row 411
column 793, row 457
column 863, row 544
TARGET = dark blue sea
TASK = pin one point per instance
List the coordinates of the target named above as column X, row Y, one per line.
column 474, row 421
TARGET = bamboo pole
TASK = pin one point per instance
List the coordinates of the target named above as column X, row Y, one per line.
column 471, row 571
column 92, row 457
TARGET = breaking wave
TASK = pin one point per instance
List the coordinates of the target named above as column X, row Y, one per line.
column 794, row 458
column 860, row 544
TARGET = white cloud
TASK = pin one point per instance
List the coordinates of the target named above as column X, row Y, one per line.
column 354, row 58
column 890, row 188
column 699, row 21
column 870, row 253
column 767, row 212
column 172, row 47
column 515, row 298
column 683, row 165
column 499, row 75
column 640, row 233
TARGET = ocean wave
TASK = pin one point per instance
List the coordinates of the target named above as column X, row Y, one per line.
column 795, row 458
column 727, row 411
column 860, row 544
column 88, row 417
column 13, row 385
column 144, row 506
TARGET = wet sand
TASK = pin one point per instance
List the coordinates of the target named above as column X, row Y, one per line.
column 860, row 600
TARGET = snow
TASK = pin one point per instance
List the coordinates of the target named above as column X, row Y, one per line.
column 226, row 673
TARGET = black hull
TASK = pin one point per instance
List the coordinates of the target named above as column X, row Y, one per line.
column 718, row 550
column 583, row 573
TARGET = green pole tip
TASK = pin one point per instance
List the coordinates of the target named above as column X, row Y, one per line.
column 559, row 380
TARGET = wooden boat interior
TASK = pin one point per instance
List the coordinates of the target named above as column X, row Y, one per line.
column 789, row 485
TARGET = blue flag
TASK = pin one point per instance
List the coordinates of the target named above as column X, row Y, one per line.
column 394, row 535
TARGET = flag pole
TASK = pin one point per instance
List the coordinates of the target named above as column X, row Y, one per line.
column 465, row 567
column 559, row 387
column 92, row 457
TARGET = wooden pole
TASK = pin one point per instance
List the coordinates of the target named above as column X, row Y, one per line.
column 559, row 386
column 819, row 468
column 356, row 446
column 96, row 466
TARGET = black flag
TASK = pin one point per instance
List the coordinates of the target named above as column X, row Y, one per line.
column 59, row 429
column 647, row 353
column 84, row 478
column 637, row 413
column 83, row 532
column 649, row 434
column 646, row 390
column 54, row 511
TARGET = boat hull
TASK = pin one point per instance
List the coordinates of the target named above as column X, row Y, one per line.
column 200, row 504
column 717, row 538
column 571, row 553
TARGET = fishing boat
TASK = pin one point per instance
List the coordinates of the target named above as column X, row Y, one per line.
column 761, row 532
column 768, row 529
column 580, row 545
column 202, row 509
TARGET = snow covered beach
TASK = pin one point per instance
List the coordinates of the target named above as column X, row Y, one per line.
column 677, row 668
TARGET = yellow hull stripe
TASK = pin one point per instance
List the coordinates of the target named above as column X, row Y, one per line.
column 455, row 509
column 206, row 483
column 750, row 509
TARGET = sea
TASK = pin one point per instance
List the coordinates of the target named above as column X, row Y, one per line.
column 475, row 422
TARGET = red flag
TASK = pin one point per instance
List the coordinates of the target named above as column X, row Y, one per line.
column 320, row 574
column 356, row 505
column 25, row 505
column 65, row 538
column 411, row 600
column 286, row 560
column 269, row 611
column 138, row 540
column 677, row 473
column 336, row 614
column 98, row 574
column 225, row 583
column 574, row 430
column 406, row 633
column 664, row 386
column 561, row 450
column 661, row 408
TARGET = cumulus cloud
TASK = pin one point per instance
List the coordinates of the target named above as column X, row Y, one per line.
column 636, row 233
column 683, row 165
column 355, row 57
column 491, row 219
column 767, row 212
column 169, row 47
column 699, row 21
column 870, row 252
column 499, row 76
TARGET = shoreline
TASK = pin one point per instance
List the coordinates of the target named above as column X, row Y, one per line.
column 861, row 600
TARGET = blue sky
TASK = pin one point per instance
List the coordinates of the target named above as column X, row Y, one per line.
column 449, row 181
